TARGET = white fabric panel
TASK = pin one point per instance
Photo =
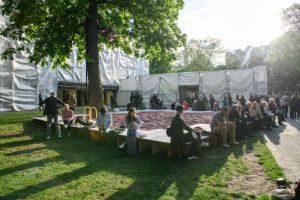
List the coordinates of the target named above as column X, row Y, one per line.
column 189, row 78
column 169, row 88
column 114, row 65
column 47, row 80
column 129, row 84
column 261, row 82
column 149, row 85
column 6, row 80
column 215, row 83
column 25, row 78
column 241, row 82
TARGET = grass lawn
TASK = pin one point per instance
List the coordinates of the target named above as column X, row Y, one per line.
column 77, row 168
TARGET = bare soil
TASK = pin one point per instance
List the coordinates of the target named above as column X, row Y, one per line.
column 254, row 181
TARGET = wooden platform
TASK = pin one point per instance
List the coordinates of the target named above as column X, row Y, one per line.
column 77, row 129
column 156, row 140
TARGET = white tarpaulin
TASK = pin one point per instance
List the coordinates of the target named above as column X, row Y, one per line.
column 218, row 83
column 189, row 78
column 150, row 85
column 131, row 84
column 261, row 80
column 169, row 88
column 114, row 65
column 242, row 88
column 214, row 83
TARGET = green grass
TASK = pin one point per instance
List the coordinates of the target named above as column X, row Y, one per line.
column 76, row 168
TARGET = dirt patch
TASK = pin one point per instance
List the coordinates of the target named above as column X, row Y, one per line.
column 254, row 181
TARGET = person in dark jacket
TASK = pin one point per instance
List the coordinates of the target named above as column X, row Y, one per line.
column 178, row 138
column 51, row 110
column 211, row 101
column 243, row 101
column 235, row 115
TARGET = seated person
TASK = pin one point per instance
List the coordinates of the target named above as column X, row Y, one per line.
column 68, row 117
column 225, row 130
column 267, row 116
column 104, row 119
column 235, row 115
column 185, row 105
column 273, row 109
column 256, row 115
column 178, row 138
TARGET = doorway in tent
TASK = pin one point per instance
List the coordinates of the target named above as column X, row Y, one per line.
column 189, row 93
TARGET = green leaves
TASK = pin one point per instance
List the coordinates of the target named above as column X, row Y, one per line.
column 145, row 28
column 199, row 55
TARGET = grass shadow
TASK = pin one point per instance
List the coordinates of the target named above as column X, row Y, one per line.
column 152, row 175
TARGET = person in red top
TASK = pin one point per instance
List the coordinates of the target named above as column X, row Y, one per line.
column 185, row 105
column 68, row 117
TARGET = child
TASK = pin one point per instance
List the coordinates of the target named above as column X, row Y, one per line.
column 133, row 123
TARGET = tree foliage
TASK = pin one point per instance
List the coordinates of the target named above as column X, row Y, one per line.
column 291, row 16
column 232, row 61
column 50, row 29
column 199, row 55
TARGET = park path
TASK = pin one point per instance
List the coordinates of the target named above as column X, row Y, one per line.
column 284, row 143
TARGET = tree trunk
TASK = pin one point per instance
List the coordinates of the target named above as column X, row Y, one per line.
column 95, row 92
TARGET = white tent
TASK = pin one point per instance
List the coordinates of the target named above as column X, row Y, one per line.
column 217, row 83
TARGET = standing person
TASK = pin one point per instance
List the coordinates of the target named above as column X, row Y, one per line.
column 178, row 138
column 211, row 102
column 132, row 123
column 273, row 108
column 225, row 102
column 104, row 119
column 40, row 102
column 51, row 110
column 293, row 106
column 230, row 101
column 243, row 101
column 285, row 104
column 237, row 98
column 205, row 100
column 68, row 118
column 72, row 101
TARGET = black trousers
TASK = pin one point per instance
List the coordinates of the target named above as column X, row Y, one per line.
column 196, row 142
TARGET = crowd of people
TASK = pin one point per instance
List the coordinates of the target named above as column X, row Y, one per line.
column 236, row 119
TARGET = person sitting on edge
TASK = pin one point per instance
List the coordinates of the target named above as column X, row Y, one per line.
column 236, row 118
column 68, row 118
column 218, row 126
column 273, row 109
column 178, row 138
column 132, row 123
column 256, row 115
column 104, row 120
column 267, row 116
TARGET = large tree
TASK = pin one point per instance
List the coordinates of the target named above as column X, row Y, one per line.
column 198, row 55
column 291, row 16
column 50, row 29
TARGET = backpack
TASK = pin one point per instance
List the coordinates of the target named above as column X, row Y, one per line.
column 170, row 130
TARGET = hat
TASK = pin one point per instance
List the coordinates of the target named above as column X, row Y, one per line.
column 179, row 108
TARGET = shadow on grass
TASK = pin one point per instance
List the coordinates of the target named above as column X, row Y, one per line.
column 152, row 175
